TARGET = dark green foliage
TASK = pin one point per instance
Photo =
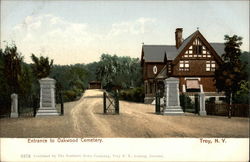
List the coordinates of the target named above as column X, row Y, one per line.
column 185, row 101
column 41, row 67
column 210, row 100
column 133, row 94
column 242, row 95
column 119, row 72
column 15, row 77
column 4, row 88
column 91, row 70
column 72, row 80
column 69, row 95
column 12, row 67
column 232, row 71
column 245, row 58
column 26, row 80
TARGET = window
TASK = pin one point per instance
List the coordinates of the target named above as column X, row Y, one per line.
column 184, row 66
column 197, row 49
column 210, row 65
column 169, row 68
column 197, row 46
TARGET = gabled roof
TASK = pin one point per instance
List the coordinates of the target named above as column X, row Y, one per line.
column 219, row 48
column 186, row 41
column 156, row 53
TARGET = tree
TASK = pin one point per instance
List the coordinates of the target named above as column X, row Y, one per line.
column 242, row 95
column 231, row 72
column 10, row 76
column 122, row 72
column 41, row 67
column 71, row 79
column 91, row 69
column 12, row 67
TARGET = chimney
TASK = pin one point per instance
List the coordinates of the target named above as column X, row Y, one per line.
column 178, row 37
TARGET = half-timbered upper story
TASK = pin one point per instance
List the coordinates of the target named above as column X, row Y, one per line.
column 193, row 60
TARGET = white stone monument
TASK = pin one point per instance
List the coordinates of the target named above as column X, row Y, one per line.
column 172, row 97
column 202, row 101
column 47, row 98
column 14, row 106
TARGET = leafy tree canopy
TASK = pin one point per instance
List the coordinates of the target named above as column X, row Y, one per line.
column 121, row 72
column 42, row 66
column 11, row 61
column 232, row 71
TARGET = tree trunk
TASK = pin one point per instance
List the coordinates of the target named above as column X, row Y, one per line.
column 230, row 105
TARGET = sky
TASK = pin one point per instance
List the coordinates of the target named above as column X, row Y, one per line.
column 78, row 31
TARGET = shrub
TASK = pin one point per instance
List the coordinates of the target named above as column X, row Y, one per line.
column 69, row 95
column 242, row 98
column 186, row 102
column 210, row 100
column 72, row 95
column 133, row 94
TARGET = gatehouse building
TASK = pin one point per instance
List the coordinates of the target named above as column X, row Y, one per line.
column 192, row 60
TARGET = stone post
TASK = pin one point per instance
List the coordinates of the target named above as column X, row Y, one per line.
column 47, row 97
column 202, row 101
column 172, row 97
column 14, row 106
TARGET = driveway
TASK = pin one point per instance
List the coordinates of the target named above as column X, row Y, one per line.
column 85, row 118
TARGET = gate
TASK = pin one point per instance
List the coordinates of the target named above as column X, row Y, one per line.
column 27, row 105
column 159, row 104
column 110, row 103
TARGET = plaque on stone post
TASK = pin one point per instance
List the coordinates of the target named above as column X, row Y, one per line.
column 14, row 106
column 202, row 101
column 47, row 98
column 172, row 97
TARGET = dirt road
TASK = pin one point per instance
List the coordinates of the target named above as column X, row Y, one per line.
column 85, row 118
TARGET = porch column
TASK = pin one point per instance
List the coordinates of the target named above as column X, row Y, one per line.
column 201, row 87
column 183, row 88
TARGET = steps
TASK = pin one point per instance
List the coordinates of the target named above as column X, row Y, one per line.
column 173, row 111
column 47, row 111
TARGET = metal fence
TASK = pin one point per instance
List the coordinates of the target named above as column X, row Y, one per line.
column 237, row 110
column 27, row 105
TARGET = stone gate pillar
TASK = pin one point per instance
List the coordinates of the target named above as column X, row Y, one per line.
column 202, row 101
column 172, row 97
column 14, row 106
column 47, row 97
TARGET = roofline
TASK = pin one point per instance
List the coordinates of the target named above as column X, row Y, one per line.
column 157, row 45
column 185, row 48
column 198, row 33
column 155, row 61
